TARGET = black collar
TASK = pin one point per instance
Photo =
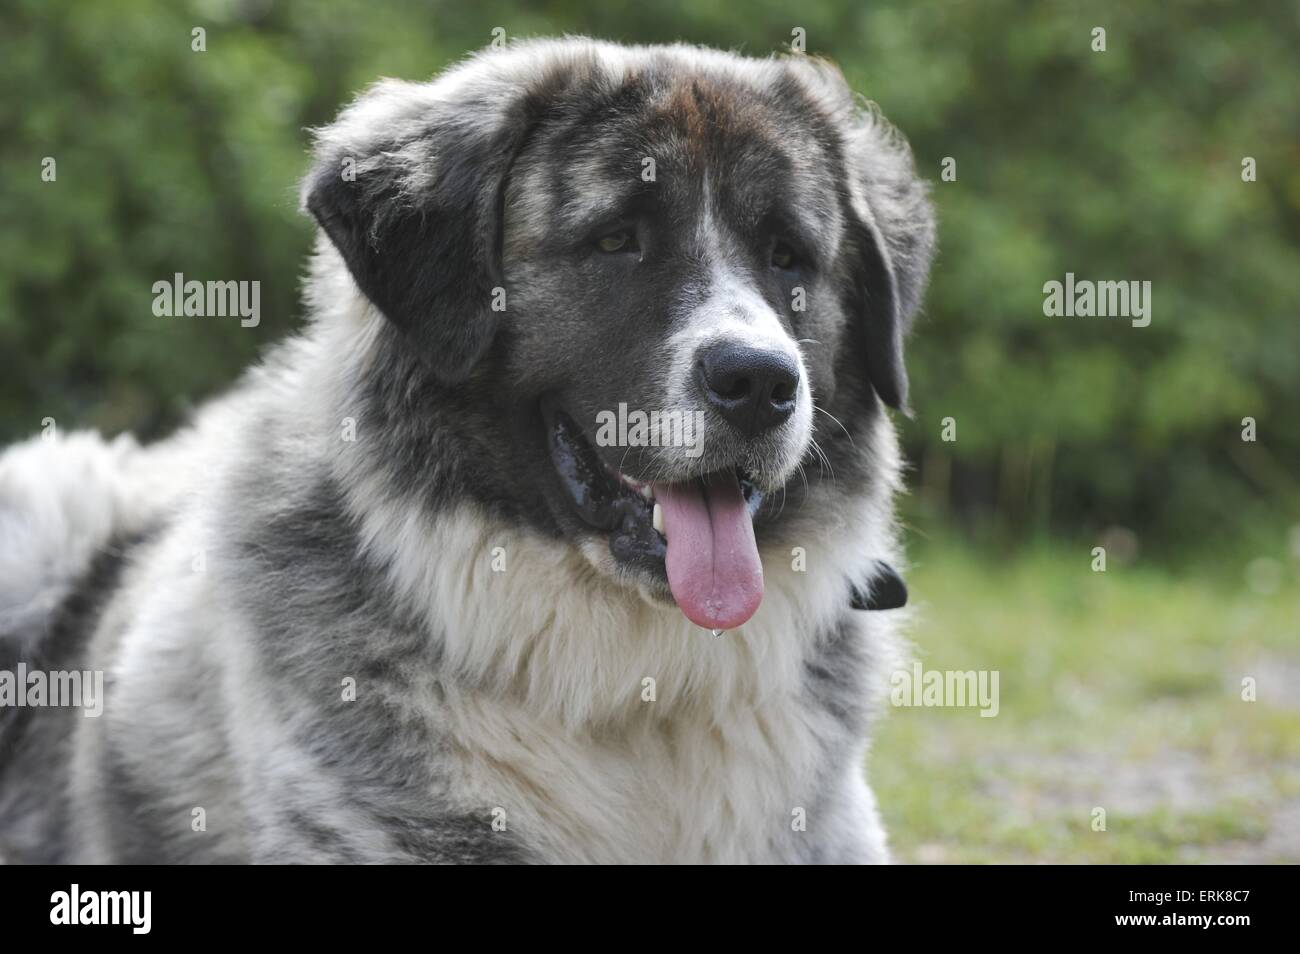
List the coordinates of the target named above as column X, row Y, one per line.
column 885, row 590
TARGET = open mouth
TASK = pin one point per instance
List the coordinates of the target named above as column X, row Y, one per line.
column 698, row 533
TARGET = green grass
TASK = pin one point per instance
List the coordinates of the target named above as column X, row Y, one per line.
column 1118, row 690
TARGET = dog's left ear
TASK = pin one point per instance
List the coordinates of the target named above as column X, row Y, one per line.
column 408, row 186
column 891, row 238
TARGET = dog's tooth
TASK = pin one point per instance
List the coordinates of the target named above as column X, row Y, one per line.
column 646, row 492
column 658, row 518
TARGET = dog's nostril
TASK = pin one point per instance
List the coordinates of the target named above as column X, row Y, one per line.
column 739, row 392
column 731, row 388
column 752, row 388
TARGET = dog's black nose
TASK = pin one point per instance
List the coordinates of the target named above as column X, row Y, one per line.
column 753, row 388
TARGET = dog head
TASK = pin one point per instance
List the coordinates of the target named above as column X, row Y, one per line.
column 650, row 277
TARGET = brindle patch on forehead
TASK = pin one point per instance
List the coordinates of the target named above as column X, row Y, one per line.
column 762, row 149
column 710, row 119
column 721, row 129
column 754, row 145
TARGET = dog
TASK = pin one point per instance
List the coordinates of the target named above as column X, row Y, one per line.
column 393, row 599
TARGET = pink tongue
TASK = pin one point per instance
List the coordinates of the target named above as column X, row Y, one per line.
column 713, row 566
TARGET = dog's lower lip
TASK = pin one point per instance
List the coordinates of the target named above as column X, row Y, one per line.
column 599, row 497
column 610, row 501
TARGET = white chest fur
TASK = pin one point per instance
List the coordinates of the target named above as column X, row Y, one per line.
column 601, row 728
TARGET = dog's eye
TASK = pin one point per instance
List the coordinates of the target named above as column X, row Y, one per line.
column 782, row 256
column 620, row 241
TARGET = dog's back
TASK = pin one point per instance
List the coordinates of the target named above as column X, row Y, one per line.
column 71, row 509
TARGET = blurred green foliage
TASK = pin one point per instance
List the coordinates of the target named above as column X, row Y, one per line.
column 1123, row 164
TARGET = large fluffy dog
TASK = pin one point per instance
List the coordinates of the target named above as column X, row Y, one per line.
column 395, row 598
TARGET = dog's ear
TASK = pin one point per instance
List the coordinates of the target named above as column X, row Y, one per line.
column 408, row 184
column 874, row 298
column 891, row 237
column 890, row 224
